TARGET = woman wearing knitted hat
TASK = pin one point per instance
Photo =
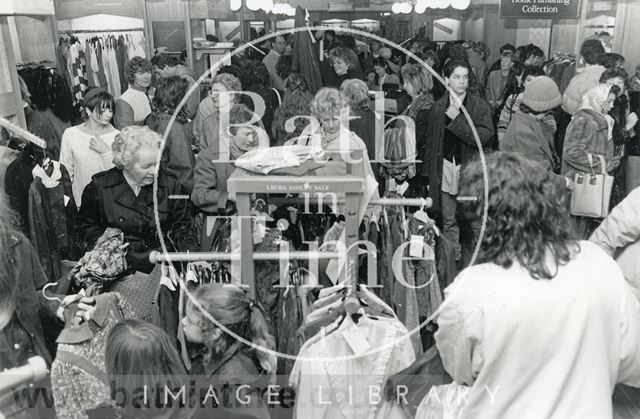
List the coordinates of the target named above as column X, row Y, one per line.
column 528, row 133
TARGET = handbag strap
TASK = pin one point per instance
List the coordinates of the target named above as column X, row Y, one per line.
column 602, row 162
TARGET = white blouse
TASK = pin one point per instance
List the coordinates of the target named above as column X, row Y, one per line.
column 81, row 161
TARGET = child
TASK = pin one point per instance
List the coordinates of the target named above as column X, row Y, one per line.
column 225, row 358
column 140, row 355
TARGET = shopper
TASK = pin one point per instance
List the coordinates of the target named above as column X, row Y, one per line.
column 295, row 104
column 178, row 155
column 133, row 106
column 591, row 52
column 524, row 76
column 386, row 78
column 257, row 78
column 123, row 197
column 362, row 119
column 497, row 82
column 588, row 133
column 86, row 148
column 206, row 126
column 211, row 173
column 541, row 320
column 452, row 143
column 24, row 310
column 528, row 134
column 142, row 357
column 223, row 320
column 418, row 84
column 278, row 47
column 166, row 66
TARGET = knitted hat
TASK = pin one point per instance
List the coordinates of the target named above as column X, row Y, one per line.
column 541, row 94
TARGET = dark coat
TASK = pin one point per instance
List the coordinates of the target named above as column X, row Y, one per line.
column 178, row 157
column 480, row 114
column 238, row 366
column 533, row 139
column 109, row 201
column 31, row 306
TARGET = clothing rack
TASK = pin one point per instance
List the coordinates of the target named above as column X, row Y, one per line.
column 22, row 133
column 244, row 184
column 73, row 31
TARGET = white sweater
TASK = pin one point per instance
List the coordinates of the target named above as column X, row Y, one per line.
column 81, row 161
column 541, row 348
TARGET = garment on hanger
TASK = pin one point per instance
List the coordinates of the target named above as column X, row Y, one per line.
column 52, row 213
column 18, row 179
column 348, row 364
column 78, row 375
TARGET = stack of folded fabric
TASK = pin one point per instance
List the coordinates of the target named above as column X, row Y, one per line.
column 284, row 160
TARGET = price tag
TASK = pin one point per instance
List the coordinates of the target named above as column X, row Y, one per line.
column 416, row 245
column 402, row 188
column 66, row 200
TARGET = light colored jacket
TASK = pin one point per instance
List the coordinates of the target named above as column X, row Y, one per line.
column 578, row 86
column 619, row 235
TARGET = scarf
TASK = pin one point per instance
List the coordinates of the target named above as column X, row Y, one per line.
column 596, row 99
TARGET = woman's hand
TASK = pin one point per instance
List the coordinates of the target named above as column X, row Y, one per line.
column 453, row 111
column 96, row 144
column 86, row 306
column 613, row 164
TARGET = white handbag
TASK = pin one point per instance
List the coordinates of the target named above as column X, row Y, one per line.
column 592, row 192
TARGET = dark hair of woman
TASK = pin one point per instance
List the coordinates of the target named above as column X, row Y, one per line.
column 169, row 92
column 382, row 62
column 534, row 71
column 611, row 60
column 257, row 75
column 140, row 355
column 99, row 101
column 230, row 69
column 458, row 53
column 451, row 66
column 612, row 73
column 527, row 221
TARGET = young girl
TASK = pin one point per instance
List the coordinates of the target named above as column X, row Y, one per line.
column 224, row 359
column 138, row 356
column 86, row 148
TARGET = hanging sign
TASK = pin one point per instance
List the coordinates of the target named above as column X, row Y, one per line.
column 31, row 7
column 539, row 9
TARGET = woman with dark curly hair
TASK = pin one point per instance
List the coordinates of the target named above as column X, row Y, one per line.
column 543, row 320
column 180, row 159
column 257, row 77
column 133, row 107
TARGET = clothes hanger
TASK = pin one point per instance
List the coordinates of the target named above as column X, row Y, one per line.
column 44, row 289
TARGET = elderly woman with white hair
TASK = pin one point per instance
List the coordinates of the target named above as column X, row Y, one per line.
column 122, row 198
